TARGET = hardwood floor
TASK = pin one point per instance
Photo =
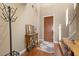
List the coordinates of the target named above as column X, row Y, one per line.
column 36, row 52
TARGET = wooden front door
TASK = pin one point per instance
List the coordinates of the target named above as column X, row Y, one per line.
column 48, row 31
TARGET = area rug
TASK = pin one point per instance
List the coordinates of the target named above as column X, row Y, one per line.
column 47, row 47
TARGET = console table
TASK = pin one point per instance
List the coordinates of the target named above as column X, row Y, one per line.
column 31, row 40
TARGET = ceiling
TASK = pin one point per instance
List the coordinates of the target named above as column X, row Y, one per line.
column 43, row 5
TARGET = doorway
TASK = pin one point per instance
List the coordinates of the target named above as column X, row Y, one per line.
column 48, row 28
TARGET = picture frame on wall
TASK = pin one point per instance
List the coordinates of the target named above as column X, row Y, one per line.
column 72, row 24
column 72, row 29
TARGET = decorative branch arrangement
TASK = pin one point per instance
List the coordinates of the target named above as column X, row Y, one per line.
column 5, row 13
column 8, row 15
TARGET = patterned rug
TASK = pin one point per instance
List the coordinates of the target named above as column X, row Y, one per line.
column 46, row 47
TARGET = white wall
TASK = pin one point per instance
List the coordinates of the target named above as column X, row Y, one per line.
column 4, row 36
column 59, row 13
column 26, row 15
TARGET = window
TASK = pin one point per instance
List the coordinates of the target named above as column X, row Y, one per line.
column 59, row 32
column 74, row 6
column 66, row 16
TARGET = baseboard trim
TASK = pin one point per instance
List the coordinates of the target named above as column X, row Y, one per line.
column 21, row 52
